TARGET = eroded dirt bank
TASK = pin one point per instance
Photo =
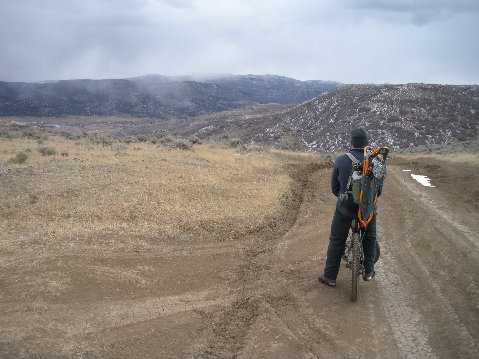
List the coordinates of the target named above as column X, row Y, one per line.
column 259, row 297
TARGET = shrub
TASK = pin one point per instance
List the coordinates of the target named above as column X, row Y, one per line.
column 181, row 145
column 107, row 141
column 194, row 140
column 40, row 138
column 236, row 142
column 13, row 134
column 142, row 138
column 241, row 148
column 128, row 139
column 28, row 133
column 21, row 157
column 47, row 151
column 66, row 134
column 167, row 140
column 72, row 136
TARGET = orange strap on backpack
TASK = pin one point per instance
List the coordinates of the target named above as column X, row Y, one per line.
column 383, row 152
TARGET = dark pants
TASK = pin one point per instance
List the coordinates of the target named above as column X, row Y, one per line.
column 337, row 241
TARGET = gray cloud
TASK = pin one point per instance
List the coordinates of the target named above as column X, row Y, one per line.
column 346, row 40
column 419, row 12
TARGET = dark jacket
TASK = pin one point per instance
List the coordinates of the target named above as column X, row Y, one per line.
column 339, row 181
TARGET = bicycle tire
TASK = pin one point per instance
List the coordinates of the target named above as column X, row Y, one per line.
column 354, row 266
column 377, row 253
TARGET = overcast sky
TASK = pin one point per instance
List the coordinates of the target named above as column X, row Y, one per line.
column 350, row 41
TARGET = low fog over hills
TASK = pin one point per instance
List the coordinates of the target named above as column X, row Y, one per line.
column 153, row 96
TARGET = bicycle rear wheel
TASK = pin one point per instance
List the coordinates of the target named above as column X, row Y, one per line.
column 354, row 266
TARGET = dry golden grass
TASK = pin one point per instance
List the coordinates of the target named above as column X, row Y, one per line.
column 129, row 199
column 105, row 202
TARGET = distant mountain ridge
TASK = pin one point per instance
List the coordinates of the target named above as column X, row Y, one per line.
column 268, row 110
column 397, row 116
column 153, row 96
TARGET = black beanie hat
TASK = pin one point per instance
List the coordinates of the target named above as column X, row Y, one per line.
column 359, row 137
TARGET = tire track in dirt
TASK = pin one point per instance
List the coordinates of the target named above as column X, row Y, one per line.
column 257, row 289
column 263, row 299
column 323, row 320
column 413, row 330
column 286, row 312
column 407, row 324
column 430, row 205
column 110, row 314
column 409, row 310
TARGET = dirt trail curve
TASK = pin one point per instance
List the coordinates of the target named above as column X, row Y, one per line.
column 424, row 302
column 259, row 298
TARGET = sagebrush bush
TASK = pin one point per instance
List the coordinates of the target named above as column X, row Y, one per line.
column 128, row 139
column 12, row 134
column 142, row 138
column 241, row 148
column 236, row 142
column 167, row 140
column 66, row 134
column 47, row 151
column 181, row 144
column 21, row 157
column 40, row 137
column 107, row 141
column 194, row 140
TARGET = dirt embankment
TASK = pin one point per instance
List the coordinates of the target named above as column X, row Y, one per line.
column 259, row 296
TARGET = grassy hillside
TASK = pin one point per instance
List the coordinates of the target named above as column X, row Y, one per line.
column 129, row 196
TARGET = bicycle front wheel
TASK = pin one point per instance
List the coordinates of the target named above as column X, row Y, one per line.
column 354, row 266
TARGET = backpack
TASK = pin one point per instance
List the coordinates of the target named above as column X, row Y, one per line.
column 353, row 187
column 354, row 183
column 374, row 174
column 364, row 182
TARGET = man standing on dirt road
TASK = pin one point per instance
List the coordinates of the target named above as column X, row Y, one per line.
column 344, row 214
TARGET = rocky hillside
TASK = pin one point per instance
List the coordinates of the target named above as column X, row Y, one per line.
column 153, row 96
column 397, row 116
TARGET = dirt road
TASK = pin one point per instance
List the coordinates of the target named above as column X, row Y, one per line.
column 259, row 298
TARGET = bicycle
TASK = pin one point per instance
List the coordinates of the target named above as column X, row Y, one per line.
column 354, row 256
column 373, row 175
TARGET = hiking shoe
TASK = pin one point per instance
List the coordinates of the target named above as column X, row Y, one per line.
column 327, row 281
column 367, row 277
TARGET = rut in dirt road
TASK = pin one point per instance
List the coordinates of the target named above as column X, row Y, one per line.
column 428, row 291
column 423, row 302
column 253, row 278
